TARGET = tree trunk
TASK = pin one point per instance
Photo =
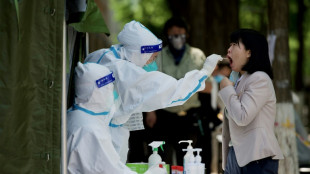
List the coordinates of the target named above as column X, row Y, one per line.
column 222, row 18
column 299, row 84
column 284, row 127
column 210, row 22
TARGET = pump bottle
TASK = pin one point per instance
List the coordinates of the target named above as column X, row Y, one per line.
column 200, row 167
column 198, row 157
column 189, row 156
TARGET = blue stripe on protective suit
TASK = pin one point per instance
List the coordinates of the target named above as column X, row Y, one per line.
column 102, row 56
column 115, row 52
column 88, row 111
column 191, row 93
column 115, row 125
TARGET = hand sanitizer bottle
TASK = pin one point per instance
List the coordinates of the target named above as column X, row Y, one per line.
column 189, row 162
column 198, row 157
column 189, row 154
column 200, row 167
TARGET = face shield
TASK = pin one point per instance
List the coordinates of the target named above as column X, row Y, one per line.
column 151, row 64
column 139, row 43
column 150, row 67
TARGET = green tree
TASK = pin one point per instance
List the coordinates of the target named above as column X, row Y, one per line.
column 253, row 15
column 151, row 13
column 299, row 75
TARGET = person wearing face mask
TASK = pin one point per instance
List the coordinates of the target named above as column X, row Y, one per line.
column 141, row 88
column 249, row 143
column 180, row 122
column 89, row 142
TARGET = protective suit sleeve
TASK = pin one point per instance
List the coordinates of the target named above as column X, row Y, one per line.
column 143, row 91
column 89, row 153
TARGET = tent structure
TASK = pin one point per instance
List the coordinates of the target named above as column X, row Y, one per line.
column 34, row 67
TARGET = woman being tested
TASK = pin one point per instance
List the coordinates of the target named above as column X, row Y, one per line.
column 249, row 143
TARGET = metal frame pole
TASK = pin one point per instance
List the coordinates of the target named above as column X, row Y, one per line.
column 64, row 104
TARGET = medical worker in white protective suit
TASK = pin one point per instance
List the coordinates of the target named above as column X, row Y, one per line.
column 90, row 148
column 142, row 88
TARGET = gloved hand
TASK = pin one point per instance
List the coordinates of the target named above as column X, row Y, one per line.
column 211, row 63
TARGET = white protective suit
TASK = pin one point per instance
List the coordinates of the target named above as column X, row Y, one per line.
column 139, row 90
column 89, row 143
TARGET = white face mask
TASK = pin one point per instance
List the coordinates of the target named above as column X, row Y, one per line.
column 177, row 41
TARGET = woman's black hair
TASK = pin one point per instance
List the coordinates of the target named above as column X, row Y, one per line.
column 258, row 45
column 174, row 21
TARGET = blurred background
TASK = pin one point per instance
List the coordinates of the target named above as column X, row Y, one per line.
column 211, row 22
column 41, row 42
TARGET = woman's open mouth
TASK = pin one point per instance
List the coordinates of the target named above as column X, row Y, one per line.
column 230, row 60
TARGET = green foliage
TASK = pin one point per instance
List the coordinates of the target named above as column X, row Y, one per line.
column 151, row 13
column 293, row 43
column 293, row 8
column 253, row 14
column 307, row 38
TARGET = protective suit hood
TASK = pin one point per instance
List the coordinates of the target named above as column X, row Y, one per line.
column 138, row 43
column 93, row 87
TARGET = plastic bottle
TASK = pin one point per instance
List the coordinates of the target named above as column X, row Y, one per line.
column 174, row 169
column 189, row 156
column 180, row 170
column 155, row 158
column 198, row 157
column 200, row 167
column 189, row 143
column 188, row 153
column 189, row 162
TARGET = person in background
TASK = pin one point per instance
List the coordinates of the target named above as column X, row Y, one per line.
column 182, row 122
column 89, row 142
column 249, row 142
column 141, row 88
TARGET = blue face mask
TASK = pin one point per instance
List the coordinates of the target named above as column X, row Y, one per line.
column 218, row 78
column 150, row 67
column 234, row 76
